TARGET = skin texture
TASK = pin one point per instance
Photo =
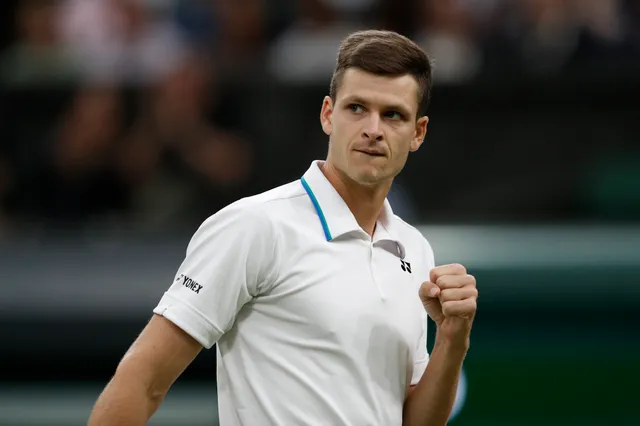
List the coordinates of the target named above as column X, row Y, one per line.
column 155, row 360
column 372, row 127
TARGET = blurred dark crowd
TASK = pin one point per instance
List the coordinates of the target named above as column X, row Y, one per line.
column 149, row 114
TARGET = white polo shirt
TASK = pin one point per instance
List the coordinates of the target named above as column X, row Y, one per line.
column 316, row 323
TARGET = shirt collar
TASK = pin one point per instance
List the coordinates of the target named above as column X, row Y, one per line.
column 334, row 214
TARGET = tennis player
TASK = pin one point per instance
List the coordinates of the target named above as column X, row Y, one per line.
column 315, row 293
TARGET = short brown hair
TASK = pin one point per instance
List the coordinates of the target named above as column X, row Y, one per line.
column 384, row 53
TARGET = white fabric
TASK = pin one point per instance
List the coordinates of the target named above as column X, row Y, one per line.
column 310, row 330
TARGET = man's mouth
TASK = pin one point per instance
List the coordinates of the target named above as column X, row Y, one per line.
column 371, row 153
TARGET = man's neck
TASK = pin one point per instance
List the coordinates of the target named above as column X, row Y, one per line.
column 365, row 202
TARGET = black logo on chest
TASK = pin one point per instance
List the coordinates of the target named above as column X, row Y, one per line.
column 406, row 266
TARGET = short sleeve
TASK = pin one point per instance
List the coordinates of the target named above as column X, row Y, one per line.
column 421, row 357
column 231, row 258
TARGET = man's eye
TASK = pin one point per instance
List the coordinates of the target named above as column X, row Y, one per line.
column 356, row 108
column 395, row 115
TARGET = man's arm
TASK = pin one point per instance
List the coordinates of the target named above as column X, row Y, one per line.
column 429, row 403
column 155, row 360
column 450, row 300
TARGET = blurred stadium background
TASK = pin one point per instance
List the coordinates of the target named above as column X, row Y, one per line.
column 124, row 123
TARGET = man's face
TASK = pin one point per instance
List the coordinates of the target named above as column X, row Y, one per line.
column 372, row 126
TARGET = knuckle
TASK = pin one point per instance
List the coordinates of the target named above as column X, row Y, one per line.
column 473, row 305
column 436, row 272
column 459, row 268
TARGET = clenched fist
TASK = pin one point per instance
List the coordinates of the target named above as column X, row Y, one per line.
column 450, row 300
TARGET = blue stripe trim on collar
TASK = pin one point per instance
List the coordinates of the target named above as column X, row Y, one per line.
column 323, row 221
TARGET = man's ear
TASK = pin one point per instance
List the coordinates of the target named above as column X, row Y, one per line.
column 421, row 132
column 326, row 115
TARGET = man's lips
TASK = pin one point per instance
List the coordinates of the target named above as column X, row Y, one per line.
column 372, row 152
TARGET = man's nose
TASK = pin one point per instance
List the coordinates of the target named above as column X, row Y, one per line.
column 373, row 129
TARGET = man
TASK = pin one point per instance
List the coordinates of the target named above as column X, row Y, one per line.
column 315, row 293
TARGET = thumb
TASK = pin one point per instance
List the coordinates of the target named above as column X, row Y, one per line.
column 429, row 293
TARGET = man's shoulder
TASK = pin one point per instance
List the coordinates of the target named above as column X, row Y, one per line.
column 270, row 201
column 267, row 206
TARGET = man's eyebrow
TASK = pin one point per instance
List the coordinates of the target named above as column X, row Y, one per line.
column 355, row 99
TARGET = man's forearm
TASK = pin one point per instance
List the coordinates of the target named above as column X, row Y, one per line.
column 123, row 403
column 431, row 400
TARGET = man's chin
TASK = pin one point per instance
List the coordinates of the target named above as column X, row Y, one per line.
column 369, row 175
